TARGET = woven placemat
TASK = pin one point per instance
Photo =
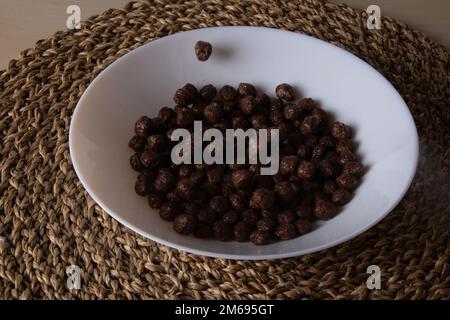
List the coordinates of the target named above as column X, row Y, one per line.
column 48, row 221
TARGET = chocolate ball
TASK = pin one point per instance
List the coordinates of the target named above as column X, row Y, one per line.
column 242, row 179
column 248, row 105
column 222, row 231
column 288, row 165
column 347, row 181
column 213, row 112
column 324, row 210
column 184, row 223
column 285, row 191
column 260, row 237
column 266, row 224
column 306, row 170
column 169, row 211
column 303, row 226
column 246, row 89
column 220, row 204
column 185, row 189
column 340, row 131
column 164, row 180
column 286, row 231
column 241, row 231
column 285, row 92
column 262, row 199
column 203, row 50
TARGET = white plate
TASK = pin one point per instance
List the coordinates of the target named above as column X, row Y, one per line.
column 145, row 79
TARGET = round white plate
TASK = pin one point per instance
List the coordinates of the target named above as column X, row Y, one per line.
column 145, row 79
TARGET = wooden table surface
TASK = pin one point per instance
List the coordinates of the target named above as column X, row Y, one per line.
column 23, row 22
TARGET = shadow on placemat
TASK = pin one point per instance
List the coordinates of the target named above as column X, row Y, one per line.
column 49, row 222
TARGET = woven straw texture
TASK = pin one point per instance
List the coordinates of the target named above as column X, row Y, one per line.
column 49, row 222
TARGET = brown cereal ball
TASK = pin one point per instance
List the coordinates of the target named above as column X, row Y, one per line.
column 222, row 231
column 259, row 121
column 266, row 224
column 207, row 216
column 326, row 169
column 143, row 126
column 203, row 50
column 346, row 157
column 220, row 204
column 169, row 211
column 250, row 216
column 190, row 208
column 285, row 191
column 231, row 217
column 310, row 125
column 137, row 143
column 185, row 189
column 164, row 180
column 203, row 231
column 185, row 171
column 329, row 186
column 143, row 186
column 344, row 145
column 285, row 92
column 292, row 112
column 248, row 105
column 215, row 175
column 276, row 117
column 318, row 152
column 185, row 117
column 355, row 168
column 307, row 105
column 197, row 177
column 262, row 199
column 260, row 237
column 155, row 200
column 246, row 89
column 166, row 114
column 262, row 100
column 208, row 92
column 240, row 122
column 241, row 231
column 211, row 189
column 286, row 216
column 213, row 112
column 286, row 231
column 238, row 202
column 340, row 131
column 242, row 179
column 303, row 152
column 228, row 93
column 306, row 170
column 341, row 197
column 303, row 226
column 304, row 211
column 135, row 162
column 184, row 223
column 324, row 210
column 288, row 165
column 347, row 181
column 321, row 114
column 156, row 142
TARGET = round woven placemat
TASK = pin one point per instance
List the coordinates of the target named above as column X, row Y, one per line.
column 48, row 221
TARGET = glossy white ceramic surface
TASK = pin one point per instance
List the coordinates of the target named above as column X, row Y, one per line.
column 145, row 79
